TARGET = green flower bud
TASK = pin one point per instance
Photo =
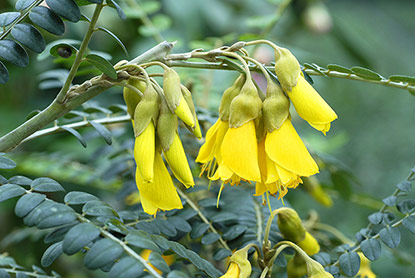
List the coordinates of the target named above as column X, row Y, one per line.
column 313, row 187
column 228, row 96
column 147, row 110
column 290, row 225
column 166, row 126
column 131, row 97
column 188, row 97
column 287, row 69
column 174, row 98
column 296, row 267
column 246, row 106
column 275, row 108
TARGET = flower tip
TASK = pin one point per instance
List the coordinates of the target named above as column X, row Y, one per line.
column 184, row 113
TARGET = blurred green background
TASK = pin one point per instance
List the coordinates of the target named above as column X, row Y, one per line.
column 374, row 135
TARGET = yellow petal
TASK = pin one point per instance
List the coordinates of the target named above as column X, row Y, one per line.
column 233, row 271
column 286, row 176
column 285, row 148
column 184, row 113
column 176, row 158
column 311, row 106
column 144, row 149
column 272, row 187
column 161, row 193
column 262, row 161
column 272, row 174
column 240, row 152
column 309, row 244
column 206, row 150
column 260, row 189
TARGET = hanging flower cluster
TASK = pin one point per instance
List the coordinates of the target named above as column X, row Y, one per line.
column 254, row 139
column 155, row 120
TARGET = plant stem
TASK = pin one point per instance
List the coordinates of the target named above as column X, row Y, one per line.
column 78, row 59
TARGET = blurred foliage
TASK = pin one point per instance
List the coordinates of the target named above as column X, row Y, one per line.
column 371, row 146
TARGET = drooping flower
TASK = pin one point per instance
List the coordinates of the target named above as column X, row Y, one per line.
column 239, row 266
column 365, row 271
column 307, row 102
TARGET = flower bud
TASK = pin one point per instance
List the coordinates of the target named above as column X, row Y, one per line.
column 174, row 98
column 296, row 267
column 166, row 126
column 246, row 106
column 146, row 110
column 316, row 270
column 188, row 97
column 290, row 225
column 287, row 69
column 275, row 107
column 309, row 244
column 132, row 98
column 228, row 96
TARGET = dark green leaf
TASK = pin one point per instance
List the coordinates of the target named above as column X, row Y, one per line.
column 315, row 68
column 234, row 232
column 27, row 203
column 209, row 202
column 3, row 180
column 115, row 108
column 127, row 267
column 405, row 186
column 38, row 269
column 46, row 185
column 96, row 109
column 116, row 226
column 199, row 229
column 64, row 50
column 6, row 163
column 29, row 36
column 31, row 218
column 375, row 218
column 141, row 239
column 56, row 215
column 8, row 18
column 409, row 223
column 187, row 214
column 4, row 74
column 333, row 67
column 20, row 180
column 223, row 217
column 21, row 275
column 390, row 236
column 33, row 113
column 177, row 274
column 8, row 191
column 366, row 73
column 165, row 227
column 221, row 254
column 79, row 236
column 51, row 254
column 23, row 4
column 180, row 224
column 115, row 5
column 371, row 248
column 98, row 208
column 210, row 238
column 102, row 64
column 103, row 131
column 350, row 263
column 4, row 274
column 390, row 201
column 78, row 198
column 76, row 134
column 120, row 43
column 58, row 233
column 65, row 8
column 48, row 20
column 103, row 252
column 14, row 53
column 156, row 260
column 406, row 206
column 323, row 258
column 46, row 54
column 74, row 113
column 402, row 78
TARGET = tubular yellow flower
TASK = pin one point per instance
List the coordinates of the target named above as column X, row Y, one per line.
column 365, row 271
column 233, row 271
column 307, row 102
column 144, row 149
column 286, row 149
column 176, row 158
column 159, row 194
column 309, row 244
column 240, row 152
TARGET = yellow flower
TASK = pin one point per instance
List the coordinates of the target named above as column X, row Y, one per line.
column 309, row 244
column 160, row 193
column 365, row 271
column 307, row 102
column 169, row 259
column 144, row 149
column 291, row 157
column 311, row 106
column 233, row 271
